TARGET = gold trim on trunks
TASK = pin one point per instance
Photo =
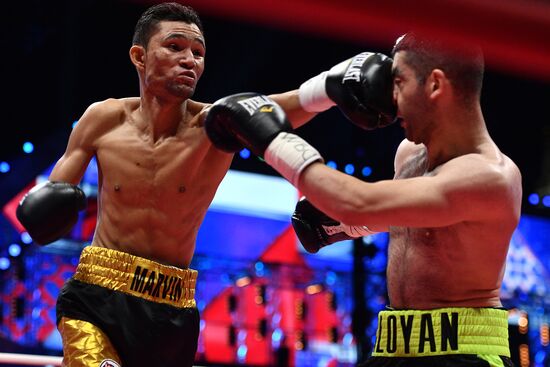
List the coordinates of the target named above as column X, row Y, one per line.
column 137, row 276
column 84, row 344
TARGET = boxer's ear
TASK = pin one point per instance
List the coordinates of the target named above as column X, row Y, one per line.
column 137, row 56
column 437, row 83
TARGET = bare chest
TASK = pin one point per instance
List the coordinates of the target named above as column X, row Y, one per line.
column 133, row 169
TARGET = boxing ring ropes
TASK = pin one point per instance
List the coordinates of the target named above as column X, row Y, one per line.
column 29, row 359
column 505, row 29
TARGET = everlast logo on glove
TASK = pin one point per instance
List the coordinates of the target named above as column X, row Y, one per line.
column 254, row 103
column 353, row 71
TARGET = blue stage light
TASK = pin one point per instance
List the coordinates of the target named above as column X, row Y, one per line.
column 241, row 352
column 366, row 171
column 349, row 169
column 14, row 250
column 244, row 153
column 546, row 201
column 28, row 147
column 347, row 339
column 4, row 167
column 534, row 199
column 277, row 335
column 332, row 164
column 4, row 263
column 330, row 278
column 259, row 266
column 26, row 238
column 74, row 123
column 540, row 357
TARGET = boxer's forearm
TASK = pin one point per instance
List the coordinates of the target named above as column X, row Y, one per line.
column 339, row 196
column 290, row 103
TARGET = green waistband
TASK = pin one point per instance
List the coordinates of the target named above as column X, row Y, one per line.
column 417, row 333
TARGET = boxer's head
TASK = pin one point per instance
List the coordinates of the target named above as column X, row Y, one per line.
column 462, row 63
column 149, row 20
column 168, row 50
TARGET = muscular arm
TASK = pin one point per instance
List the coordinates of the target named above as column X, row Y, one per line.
column 464, row 189
column 80, row 147
column 290, row 103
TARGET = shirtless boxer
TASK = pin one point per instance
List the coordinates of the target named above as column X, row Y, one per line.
column 131, row 301
column 450, row 211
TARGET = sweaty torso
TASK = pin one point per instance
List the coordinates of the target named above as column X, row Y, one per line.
column 152, row 195
column 460, row 265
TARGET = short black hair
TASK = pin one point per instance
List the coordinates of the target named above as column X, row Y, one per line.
column 148, row 21
column 462, row 63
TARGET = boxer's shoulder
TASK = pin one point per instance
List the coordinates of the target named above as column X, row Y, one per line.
column 110, row 111
column 408, row 153
column 197, row 112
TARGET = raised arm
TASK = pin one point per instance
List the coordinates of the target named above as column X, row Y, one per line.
column 467, row 188
column 290, row 103
column 464, row 189
column 361, row 87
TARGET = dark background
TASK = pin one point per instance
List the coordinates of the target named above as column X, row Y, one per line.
column 58, row 57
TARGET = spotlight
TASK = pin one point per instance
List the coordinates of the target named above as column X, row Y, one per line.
column 244, row 153
column 314, row 289
column 4, row 263
column 26, row 238
column 28, row 147
column 14, row 250
column 243, row 281
column 4, row 167
column 546, row 201
column 349, row 169
column 332, row 164
column 241, row 352
column 259, row 266
column 331, row 278
column 366, row 171
column 534, row 199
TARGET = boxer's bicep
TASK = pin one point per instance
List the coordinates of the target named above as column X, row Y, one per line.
column 436, row 201
column 412, row 202
column 71, row 166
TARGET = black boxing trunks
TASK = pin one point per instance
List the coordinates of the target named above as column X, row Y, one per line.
column 123, row 310
column 443, row 337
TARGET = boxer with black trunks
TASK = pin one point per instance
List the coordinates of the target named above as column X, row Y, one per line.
column 450, row 210
column 131, row 301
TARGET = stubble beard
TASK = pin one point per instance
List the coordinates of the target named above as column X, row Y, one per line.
column 180, row 90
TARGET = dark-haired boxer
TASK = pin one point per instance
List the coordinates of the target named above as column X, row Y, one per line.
column 450, row 211
column 131, row 301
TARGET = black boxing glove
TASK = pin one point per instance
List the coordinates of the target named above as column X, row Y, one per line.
column 362, row 87
column 50, row 210
column 316, row 230
column 249, row 120
column 258, row 123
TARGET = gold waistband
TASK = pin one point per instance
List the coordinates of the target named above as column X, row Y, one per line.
column 137, row 276
column 417, row 333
